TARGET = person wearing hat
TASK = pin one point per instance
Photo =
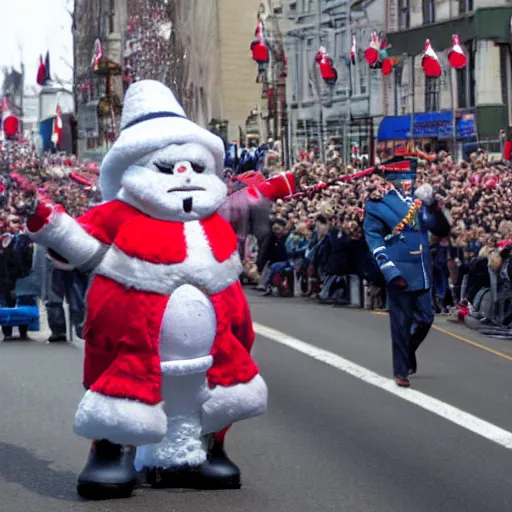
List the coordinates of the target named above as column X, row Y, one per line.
column 168, row 333
column 396, row 227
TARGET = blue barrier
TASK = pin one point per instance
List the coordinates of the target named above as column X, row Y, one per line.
column 20, row 315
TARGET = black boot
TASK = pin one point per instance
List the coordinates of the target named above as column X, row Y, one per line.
column 109, row 472
column 218, row 472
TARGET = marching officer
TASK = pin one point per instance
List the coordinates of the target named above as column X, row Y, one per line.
column 396, row 227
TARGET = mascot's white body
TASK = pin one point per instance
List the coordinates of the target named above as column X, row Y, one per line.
column 168, row 330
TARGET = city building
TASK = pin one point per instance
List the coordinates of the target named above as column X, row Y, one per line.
column 201, row 50
column 476, row 100
column 342, row 112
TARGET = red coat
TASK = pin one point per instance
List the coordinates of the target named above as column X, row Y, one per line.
column 148, row 259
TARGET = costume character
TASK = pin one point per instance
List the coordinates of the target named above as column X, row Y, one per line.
column 168, row 329
column 396, row 228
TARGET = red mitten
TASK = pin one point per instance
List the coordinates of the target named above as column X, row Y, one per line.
column 41, row 216
column 278, row 187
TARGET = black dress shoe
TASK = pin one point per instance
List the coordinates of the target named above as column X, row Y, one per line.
column 218, row 472
column 109, row 473
column 57, row 338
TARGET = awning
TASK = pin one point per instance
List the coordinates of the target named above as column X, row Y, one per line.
column 394, row 128
column 428, row 125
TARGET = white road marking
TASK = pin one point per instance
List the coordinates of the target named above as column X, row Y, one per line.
column 442, row 409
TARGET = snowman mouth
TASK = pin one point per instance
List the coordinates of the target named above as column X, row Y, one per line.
column 187, row 205
column 187, row 189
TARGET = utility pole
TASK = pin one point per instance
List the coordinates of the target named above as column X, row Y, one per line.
column 320, row 106
column 346, row 124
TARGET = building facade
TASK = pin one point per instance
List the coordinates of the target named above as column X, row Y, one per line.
column 343, row 112
column 476, row 101
column 200, row 49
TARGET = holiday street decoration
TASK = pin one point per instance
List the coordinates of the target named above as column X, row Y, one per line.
column 98, row 54
column 377, row 54
column 10, row 123
column 353, row 50
column 430, row 62
column 326, row 65
column 456, row 56
column 259, row 48
column 372, row 53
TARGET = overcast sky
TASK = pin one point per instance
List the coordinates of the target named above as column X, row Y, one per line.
column 36, row 26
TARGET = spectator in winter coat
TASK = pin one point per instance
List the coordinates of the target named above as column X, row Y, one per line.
column 273, row 252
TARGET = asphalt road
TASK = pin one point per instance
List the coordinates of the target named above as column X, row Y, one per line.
column 329, row 442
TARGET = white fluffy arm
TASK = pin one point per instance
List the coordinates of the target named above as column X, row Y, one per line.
column 68, row 239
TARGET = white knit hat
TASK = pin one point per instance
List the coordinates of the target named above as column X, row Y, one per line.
column 152, row 119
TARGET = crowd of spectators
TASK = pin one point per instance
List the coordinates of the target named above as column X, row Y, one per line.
column 316, row 244
column 320, row 237
column 26, row 275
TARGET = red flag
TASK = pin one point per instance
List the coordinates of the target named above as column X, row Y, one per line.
column 47, row 77
column 430, row 62
column 456, row 56
column 57, row 128
column 41, row 72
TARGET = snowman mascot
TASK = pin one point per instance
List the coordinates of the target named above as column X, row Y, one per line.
column 168, row 330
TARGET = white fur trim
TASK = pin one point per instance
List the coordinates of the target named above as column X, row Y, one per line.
column 425, row 193
column 187, row 366
column 67, row 238
column 200, row 269
column 119, row 420
column 228, row 405
column 183, row 443
column 142, row 98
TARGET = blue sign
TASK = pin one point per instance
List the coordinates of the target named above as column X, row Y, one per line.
column 429, row 125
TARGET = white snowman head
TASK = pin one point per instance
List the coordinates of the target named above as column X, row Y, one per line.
column 162, row 163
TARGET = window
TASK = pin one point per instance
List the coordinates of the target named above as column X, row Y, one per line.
column 465, row 6
column 466, row 81
column 432, row 89
column 111, row 16
column 309, row 64
column 403, row 14
column 307, row 6
column 292, row 8
column 429, row 11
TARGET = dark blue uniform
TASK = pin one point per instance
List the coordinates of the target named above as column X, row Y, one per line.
column 405, row 256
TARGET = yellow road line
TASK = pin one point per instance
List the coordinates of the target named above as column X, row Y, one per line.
column 461, row 338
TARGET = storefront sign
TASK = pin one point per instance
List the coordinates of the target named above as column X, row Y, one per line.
column 430, row 125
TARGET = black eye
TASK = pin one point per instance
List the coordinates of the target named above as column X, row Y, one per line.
column 197, row 168
column 164, row 168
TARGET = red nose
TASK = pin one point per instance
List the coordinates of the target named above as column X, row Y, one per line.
column 182, row 168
